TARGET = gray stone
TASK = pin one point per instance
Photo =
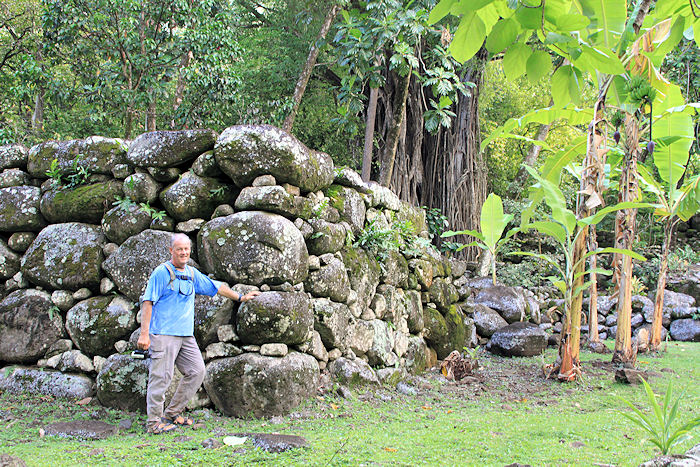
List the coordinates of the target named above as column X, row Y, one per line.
column 209, row 314
column 273, row 317
column 251, row 384
column 169, row 148
column 121, row 384
column 141, row 188
column 678, row 305
column 268, row 198
column 164, row 175
column 97, row 323
column 417, row 355
column 254, row 247
column 21, row 380
column 120, row 223
column 315, row 347
column 106, row 286
column 331, row 321
column 14, row 177
column 20, row 209
column 74, row 361
column 351, row 179
column 20, row 241
column 360, row 337
column 65, row 256
column 350, row 206
column 13, row 156
column 518, row 340
column 10, row 261
column 82, row 294
column 132, row 264
column 330, row 280
column 193, row 196
column 58, row 347
column 686, row 281
column 383, row 197
column 222, row 349
column 121, row 171
column 423, row 271
column 245, row 151
column 190, row 226
column 222, row 211
column 487, row 320
column 206, row 166
column 83, row 203
column 509, row 302
column 227, row 333
column 274, row 350
column 96, row 154
column 352, row 372
column 264, row 180
column 363, row 273
column 443, row 294
column 382, row 350
column 81, row 429
column 29, row 325
column 327, row 237
column 687, row 330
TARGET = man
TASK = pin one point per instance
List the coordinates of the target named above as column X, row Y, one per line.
column 167, row 328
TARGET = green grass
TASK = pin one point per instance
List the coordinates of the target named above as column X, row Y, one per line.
column 510, row 415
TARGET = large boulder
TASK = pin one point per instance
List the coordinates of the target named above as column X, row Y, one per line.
column 122, row 383
column 417, row 355
column 327, row 237
column 84, row 203
column 9, row 262
column 132, row 263
column 169, row 148
column 677, row 305
column 19, row 209
column 254, row 247
column 272, row 198
column 509, row 302
column 251, row 384
column 14, row 177
column 436, row 332
column 331, row 281
column 487, row 321
column 360, row 337
column 21, row 380
column 395, row 271
column 209, row 314
column 141, row 188
column 363, row 272
column 414, row 311
column 443, row 294
column 331, row 320
column 275, row 317
column 382, row 351
column 352, row 372
column 122, row 222
column 349, row 204
column 65, row 256
column 518, row 340
column 687, row 282
column 687, row 330
column 29, row 324
column 13, row 156
column 97, row 323
column 245, row 151
column 195, row 197
column 95, row 154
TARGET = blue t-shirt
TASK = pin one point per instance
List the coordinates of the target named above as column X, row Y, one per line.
column 173, row 304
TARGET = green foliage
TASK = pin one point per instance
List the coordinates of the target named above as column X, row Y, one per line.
column 77, row 175
column 377, row 240
column 126, row 204
column 155, row 214
column 492, row 225
column 679, row 259
column 217, row 191
column 659, row 423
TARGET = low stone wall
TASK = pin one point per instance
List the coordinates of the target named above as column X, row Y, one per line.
column 84, row 222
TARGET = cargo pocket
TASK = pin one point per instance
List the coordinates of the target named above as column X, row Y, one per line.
column 156, row 349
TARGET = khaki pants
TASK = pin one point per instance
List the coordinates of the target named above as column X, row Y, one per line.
column 166, row 352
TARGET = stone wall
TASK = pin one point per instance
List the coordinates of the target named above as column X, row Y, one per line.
column 263, row 212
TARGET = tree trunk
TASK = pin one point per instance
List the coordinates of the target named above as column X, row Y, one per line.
column 309, row 67
column 392, row 142
column 369, row 134
column 657, row 321
column 180, row 87
column 38, row 114
column 128, row 121
column 593, row 306
column 151, row 116
column 516, row 186
column 624, row 353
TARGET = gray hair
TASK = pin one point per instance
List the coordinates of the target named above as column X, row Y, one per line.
column 179, row 236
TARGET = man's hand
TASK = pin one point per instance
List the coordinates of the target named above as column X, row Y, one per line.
column 144, row 341
column 250, row 295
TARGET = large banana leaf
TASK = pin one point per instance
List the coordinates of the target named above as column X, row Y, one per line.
column 608, row 18
column 670, row 159
column 493, row 220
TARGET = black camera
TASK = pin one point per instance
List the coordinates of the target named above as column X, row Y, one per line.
column 140, row 354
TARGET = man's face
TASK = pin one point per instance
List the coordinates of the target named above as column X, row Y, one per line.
column 180, row 253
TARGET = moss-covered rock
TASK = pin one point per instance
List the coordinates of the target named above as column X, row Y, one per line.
column 395, row 271
column 351, row 179
column 275, row 317
column 487, row 321
column 414, row 311
column 132, row 263
column 119, row 223
column 21, row 380
column 382, row 351
column 13, row 156
column 330, row 280
column 363, row 272
column 395, row 311
column 349, row 204
column 254, row 247
column 165, row 149
column 9, row 262
column 245, row 151
column 253, row 385
column 360, row 337
column 326, row 238
column 19, row 209
column 443, row 294
column 352, row 372
column 95, row 154
column 29, row 324
column 209, row 314
column 423, row 271
column 141, row 188
column 414, row 215
column 509, row 302
column 206, row 166
column 331, row 320
column 122, row 383
column 14, row 177
column 97, row 323
column 436, row 332
column 65, row 256
column 85, row 203
column 195, row 197
column 417, row 355
column 272, row 198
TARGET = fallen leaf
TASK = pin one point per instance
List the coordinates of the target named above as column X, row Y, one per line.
column 84, row 401
column 41, row 432
column 234, row 440
column 427, row 407
column 390, row 449
column 334, row 407
column 449, row 411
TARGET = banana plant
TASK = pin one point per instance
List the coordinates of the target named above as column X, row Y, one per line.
column 674, row 204
column 492, row 224
column 565, row 229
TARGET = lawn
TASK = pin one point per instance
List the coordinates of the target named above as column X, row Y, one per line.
column 505, row 413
